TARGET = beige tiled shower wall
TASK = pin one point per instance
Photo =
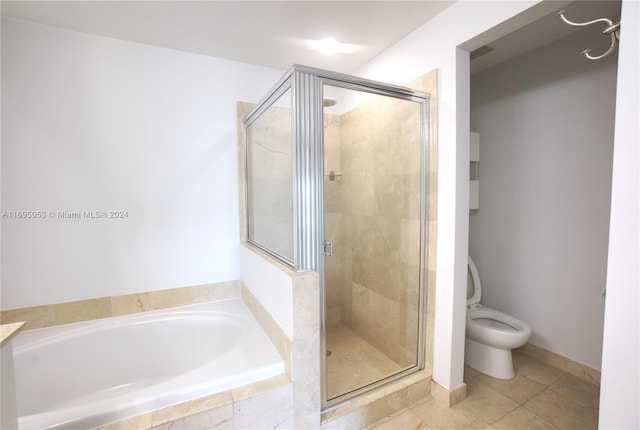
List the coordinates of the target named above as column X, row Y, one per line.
column 338, row 269
column 372, row 210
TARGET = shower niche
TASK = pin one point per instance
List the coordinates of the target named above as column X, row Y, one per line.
column 336, row 183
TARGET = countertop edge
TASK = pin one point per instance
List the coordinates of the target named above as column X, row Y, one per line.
column 8, row 331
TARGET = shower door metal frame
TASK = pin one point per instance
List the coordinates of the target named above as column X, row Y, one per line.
column 282, row 86
column 306, row 132
column 306, row 84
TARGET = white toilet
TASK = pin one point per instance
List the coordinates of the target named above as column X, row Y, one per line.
column 490, row 335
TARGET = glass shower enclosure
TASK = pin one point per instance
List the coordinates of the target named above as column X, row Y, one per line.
column 336, row 183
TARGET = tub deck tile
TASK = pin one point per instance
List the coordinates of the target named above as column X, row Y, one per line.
column 259, row 387
column 263, row 404
column 192, row 408
column 134, row 423
column 220, row 418
column 271, row 409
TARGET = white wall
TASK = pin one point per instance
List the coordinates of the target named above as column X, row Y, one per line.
column 97, row 124
column 271, row 284
column 620, row 388
column 436, row 45
column 540, row 237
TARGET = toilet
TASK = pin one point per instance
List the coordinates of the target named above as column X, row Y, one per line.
column 490, row 334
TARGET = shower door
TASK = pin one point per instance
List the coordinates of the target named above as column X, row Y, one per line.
column 374, row 211
column 335, row 182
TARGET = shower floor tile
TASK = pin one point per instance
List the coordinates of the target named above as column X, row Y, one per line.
column 354, row 362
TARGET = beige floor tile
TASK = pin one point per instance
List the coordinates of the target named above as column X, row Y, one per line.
column 522, row 419
column 562, row 412
column 486, row 402
column 579, row 391
column 354, row 362
column 535, row 369
column 338, row 333
column 405, row 420
column 470, row 373
column 438, row 417
column 519, row 389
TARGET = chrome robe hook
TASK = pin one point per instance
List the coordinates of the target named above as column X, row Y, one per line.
column 613, row 30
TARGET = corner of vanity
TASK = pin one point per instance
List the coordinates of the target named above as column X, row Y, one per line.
column 8, row 409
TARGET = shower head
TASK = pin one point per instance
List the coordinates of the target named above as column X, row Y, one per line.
column 328, row 101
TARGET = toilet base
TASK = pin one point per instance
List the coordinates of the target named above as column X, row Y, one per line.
column 489, row 360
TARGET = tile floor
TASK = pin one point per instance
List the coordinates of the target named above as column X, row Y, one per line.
column 539, row 397
column 353, row 362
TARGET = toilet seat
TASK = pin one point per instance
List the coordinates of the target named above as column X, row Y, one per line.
column 490, row 326
column 495, row 328
column 495, row 320
column 474, row 288
column 493, row 324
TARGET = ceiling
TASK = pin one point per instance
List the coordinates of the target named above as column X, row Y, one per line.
column 550, row 28
column 267, row 33
column 275, row 33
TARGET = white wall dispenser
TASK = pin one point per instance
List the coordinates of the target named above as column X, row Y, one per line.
column 474, row 171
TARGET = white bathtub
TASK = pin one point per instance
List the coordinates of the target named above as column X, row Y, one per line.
column 86, row 374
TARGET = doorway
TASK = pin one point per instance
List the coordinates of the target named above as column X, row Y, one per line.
column 540, row 235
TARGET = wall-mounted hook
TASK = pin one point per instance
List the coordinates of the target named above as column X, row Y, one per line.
column 613, row 30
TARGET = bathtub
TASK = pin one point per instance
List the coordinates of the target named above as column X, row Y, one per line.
column 86, row 374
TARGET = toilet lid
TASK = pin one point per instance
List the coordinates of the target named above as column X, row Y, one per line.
column 474, row 290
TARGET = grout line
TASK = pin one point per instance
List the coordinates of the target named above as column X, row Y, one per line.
column 547, row 387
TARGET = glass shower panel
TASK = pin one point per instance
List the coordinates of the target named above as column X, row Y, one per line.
column 373, row 208
column 270, row 179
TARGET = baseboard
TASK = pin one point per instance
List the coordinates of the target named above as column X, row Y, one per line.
column 448, row 398
column 565, row 364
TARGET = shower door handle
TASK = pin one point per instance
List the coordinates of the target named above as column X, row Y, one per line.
column 327, row 249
